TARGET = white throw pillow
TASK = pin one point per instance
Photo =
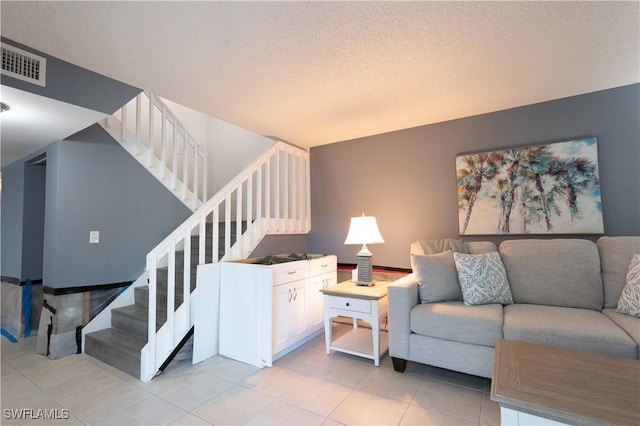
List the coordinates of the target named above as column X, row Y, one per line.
column 483, row 279
column 629, row 302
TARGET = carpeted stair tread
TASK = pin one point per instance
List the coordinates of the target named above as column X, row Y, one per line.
column 117, row 348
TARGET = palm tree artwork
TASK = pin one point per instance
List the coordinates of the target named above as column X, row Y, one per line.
column 540, row 189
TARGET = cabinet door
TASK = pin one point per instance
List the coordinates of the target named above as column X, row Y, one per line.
column 289, row 314
column 316, row 299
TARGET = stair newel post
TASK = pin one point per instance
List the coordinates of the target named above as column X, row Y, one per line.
column 307, row 195
column 171, row 293
column 138, row 122
column 285, row 191
column 151, row 125
column 277, row 192
column 151, row 325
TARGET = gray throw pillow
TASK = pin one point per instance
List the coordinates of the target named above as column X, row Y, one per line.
column 483, row 279
column 629, row 302
column 436, row 276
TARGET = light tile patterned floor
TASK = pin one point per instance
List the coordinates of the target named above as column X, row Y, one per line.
column 306, row 387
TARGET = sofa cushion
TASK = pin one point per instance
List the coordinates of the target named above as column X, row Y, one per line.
column 436, row 276
column 580, row 329
column 479, row 247
column 438, row 246
column 557, row 272
column 480, row 325
column 482, row 278
column 615, row 256
column 629, row 302
column 630, row 325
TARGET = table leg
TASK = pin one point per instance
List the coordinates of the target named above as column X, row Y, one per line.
column 327, row 332
column 375, row 331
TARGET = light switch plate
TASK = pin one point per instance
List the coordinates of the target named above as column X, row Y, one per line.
column 94, row 237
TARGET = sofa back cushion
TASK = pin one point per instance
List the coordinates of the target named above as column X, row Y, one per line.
column 438, row 246
column 481, row 247
column 557, row 272
column 615, row 257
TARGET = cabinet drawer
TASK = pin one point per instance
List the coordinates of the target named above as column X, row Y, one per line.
column 350, row 304
column 323, row 265
column 289, row 272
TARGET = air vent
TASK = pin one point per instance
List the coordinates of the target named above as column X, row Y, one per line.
column 23, row 65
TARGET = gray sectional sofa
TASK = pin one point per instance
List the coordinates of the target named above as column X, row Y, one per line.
column 565, row 292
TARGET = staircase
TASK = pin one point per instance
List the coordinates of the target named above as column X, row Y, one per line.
column 139, row 330
column 152, row 134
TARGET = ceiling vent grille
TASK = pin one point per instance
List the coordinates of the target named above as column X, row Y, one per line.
column 23, row 65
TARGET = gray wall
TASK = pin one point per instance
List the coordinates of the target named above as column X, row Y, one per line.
column 12, row 204
column 33, row 217
column 75, row 85
column 407, row 178
column 93, row 184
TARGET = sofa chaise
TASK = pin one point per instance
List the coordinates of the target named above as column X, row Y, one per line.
column 564, row 292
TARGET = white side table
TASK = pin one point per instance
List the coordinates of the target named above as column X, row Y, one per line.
column 358, row 302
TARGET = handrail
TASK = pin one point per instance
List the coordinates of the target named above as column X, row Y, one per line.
column 155, row 137
column 270, row 196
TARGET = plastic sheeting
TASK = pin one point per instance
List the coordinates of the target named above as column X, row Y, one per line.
column 64, row 315
column 12, row 309
column 20, row 306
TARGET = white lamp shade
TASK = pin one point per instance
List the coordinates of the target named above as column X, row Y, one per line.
column 364, row 230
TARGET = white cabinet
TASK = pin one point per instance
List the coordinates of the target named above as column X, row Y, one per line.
column 316, row 300
column 289, row 314
column 266, row 311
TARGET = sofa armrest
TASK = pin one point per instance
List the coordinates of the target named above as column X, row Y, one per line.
column 403, row 296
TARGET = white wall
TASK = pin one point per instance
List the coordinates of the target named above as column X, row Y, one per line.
column 231, row 148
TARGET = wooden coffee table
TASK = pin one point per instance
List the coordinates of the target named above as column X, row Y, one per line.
column 536, row 384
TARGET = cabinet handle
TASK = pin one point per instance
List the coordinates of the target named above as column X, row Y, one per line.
column 289, row 295
column 291, row 272
column 295, row 294
column 347, row 303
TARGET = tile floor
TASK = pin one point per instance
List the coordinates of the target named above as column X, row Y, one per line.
column 305, row 387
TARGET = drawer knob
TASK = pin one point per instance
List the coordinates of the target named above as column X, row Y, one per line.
column 347, row 303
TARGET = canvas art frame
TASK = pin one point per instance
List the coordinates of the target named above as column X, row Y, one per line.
column 551, row 188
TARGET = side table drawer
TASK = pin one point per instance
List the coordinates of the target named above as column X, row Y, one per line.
column 350, row 304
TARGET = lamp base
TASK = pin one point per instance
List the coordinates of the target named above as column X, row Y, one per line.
column 365, row 270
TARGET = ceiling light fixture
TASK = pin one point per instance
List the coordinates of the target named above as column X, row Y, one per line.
column 4, row 107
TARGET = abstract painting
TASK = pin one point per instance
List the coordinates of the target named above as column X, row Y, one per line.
column 539, row 189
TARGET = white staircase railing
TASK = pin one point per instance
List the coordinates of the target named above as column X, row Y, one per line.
column 270, row 196
column 155, row 137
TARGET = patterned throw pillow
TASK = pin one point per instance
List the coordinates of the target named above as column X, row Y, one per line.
column 483, row 279
column 629, row 302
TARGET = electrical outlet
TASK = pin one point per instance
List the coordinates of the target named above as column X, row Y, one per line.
column 94, row 237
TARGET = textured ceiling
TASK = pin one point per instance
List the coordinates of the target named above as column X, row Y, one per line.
column 319, row 72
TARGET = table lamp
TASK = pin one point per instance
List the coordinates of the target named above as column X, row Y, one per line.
column 364, row 230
